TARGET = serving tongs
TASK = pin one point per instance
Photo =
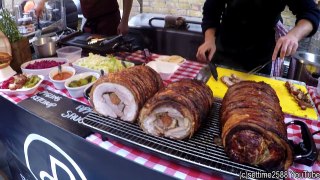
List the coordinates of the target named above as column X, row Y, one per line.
column 258, row 68
column 109, row 41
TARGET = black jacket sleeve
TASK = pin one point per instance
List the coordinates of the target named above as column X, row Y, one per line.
column 212, row 11
column 305, row 9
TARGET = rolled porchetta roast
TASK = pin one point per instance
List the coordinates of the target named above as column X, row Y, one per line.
column 122, row 94
column 253, row 128
column 176, row 111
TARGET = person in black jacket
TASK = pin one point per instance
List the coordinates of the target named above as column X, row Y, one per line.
column 240, row 33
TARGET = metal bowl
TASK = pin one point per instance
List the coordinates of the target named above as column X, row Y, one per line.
column 307, row 67
column 44, row 47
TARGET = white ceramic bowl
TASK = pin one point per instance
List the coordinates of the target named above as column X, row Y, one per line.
column 59, row 84
column 44, row 72
column 165, row 69
column 72, row 53
column 77, row 92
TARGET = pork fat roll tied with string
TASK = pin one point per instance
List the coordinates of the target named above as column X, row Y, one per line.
column 122, row 94
column 177, row 111
column 253, row 128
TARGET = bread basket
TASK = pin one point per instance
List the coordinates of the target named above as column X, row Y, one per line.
column 5, row 51
column 5, row 58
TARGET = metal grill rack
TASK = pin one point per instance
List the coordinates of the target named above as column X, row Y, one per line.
column 200, row 151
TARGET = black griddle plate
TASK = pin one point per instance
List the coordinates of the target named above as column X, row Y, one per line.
column 80, row 39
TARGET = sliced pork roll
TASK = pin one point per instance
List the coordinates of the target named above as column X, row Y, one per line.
column 122, row 94
column 176, row 111
column 253, row 128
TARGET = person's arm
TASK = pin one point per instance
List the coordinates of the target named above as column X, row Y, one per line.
column 308, row 16
column 208, row 48
column 212, row 11
column 40, row 7
column 123, row 26
column 288, row 44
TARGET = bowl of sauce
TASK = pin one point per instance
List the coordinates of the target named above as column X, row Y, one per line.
column 58, row 78
column 62, row 76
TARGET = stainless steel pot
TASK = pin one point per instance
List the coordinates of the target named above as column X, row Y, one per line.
column 44, row 47
column 305, row 67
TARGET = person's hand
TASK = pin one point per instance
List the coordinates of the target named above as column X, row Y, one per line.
column 206, row 51
column 39, row 8
column 123, row 28
column 287, row 45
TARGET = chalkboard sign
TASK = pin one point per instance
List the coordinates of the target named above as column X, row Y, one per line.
column 58, row 109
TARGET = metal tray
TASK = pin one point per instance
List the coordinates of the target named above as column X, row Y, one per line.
column 205, row 74
column 199, row 152
column 202, row 150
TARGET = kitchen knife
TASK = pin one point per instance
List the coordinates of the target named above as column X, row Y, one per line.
column 213, row 69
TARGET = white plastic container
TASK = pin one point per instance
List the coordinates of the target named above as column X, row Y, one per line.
column 77, row 92
column 59, row 84
column 72, row 53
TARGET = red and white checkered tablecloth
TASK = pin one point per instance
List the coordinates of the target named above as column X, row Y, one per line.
column 187, row 70
column 295, row 135
column 314, row 96
column 148, row 160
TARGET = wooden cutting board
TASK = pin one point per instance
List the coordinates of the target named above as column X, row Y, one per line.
column 287, row 102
